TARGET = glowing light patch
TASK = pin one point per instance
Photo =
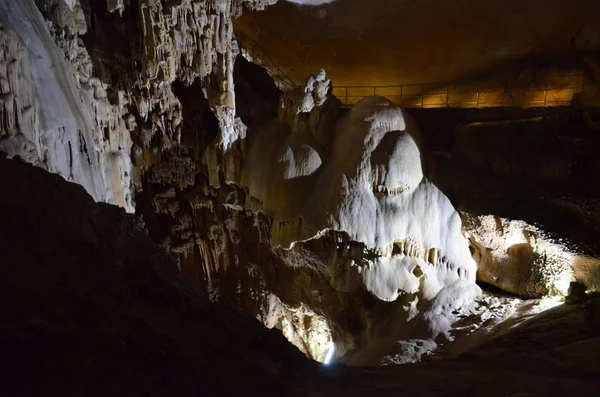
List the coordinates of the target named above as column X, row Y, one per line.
column 550, row 302
column 514, row 239
column 329, row 355
column 538, row 307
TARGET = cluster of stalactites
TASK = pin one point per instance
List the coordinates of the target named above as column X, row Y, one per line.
column 183, row 40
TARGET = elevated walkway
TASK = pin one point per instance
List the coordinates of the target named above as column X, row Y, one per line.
column 574, row 89
column 546, row 91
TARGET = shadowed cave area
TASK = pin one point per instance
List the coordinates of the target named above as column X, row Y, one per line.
column 299, row 198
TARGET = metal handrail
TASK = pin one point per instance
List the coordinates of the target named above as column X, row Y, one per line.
column 251, row 48
column 439, row 95
column 423, row 95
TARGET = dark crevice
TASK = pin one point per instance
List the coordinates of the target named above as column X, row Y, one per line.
column 83, row 147
column 486, row 287
column 200, row 125
column 70, row 162
column 256, row 95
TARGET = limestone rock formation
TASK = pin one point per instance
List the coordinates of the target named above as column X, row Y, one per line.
column 41, row 106
column 108, row 97
column 313, row 93
column 518, row 258
column 532, row 170
column 354, row 200
column 256, row 224
column 323, row 224
column 370, row 186
column 525, row 260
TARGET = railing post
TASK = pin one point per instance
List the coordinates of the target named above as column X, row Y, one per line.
column 374, row 90
column 582, row 91
column 447, row 95
column 545, row 93
column 346, row 96
column 401, row 93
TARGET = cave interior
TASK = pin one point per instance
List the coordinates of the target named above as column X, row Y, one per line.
column 300, row 197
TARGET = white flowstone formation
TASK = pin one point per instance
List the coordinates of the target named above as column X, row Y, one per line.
column 55, row 106
column 315, row 92
column 373, row 189
column 403, row 236
column 50, row 113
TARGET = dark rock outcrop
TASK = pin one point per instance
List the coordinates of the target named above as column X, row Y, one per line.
column 91, row 306
column 535, row 173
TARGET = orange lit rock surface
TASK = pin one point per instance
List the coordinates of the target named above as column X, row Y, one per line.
column 380, row 42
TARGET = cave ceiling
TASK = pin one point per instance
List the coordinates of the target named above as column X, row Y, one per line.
column 380, row 42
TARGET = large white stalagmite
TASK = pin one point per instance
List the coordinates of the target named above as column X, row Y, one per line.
column 397, row 233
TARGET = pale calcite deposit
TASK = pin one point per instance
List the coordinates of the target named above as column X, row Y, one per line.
column 524, row 259
column 304, row 328
column 354, row 199
column 63, row 108
column 64, row 121
column 370, row 186
column 586, row 269
column 518, row 257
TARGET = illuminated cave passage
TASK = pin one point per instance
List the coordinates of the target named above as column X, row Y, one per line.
column 244, row 197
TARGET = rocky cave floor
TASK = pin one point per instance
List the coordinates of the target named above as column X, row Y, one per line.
column 91, row 306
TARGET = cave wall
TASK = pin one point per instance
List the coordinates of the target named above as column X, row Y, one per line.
column 45, row 119
column 438, row 125
column 523, row 182
column 428, row 41
column 107, row 109
column 92, row 306
column 334, row 228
